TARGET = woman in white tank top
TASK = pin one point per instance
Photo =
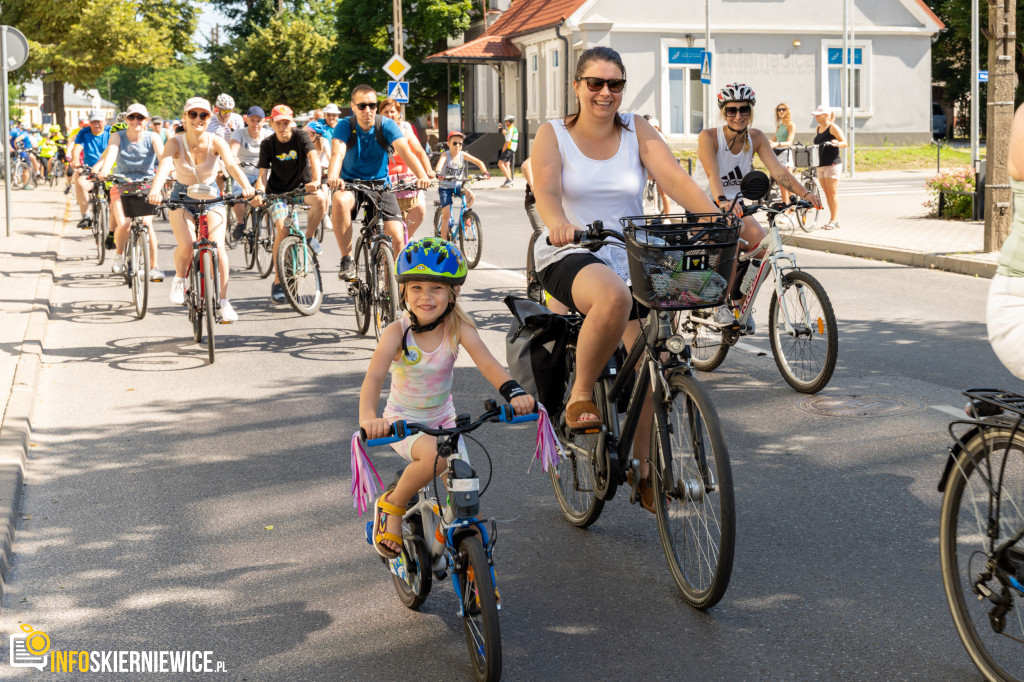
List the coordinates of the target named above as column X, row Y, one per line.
column 593, row 166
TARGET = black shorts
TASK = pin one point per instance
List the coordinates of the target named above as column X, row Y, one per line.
column 388, row 205
column 558, row 277
column 507, row 156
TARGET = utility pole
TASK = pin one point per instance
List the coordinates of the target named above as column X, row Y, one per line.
column 974, row 85
column 1002, row 21
column 396, row 16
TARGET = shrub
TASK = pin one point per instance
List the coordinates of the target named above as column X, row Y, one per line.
column 956, row 207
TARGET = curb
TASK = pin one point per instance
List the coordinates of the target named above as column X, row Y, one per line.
column 962, row 264
column 16, row 431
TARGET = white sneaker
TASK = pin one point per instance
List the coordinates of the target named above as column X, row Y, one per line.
column 314, row 246
column 227, row 313
column 178, row 291
column 117, row 267
column 724, row 315
column 156, row 275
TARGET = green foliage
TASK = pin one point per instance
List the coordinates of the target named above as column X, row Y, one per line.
column 162, row 89
column 956, row 207
column 364, row 43
column 277, row 64
column 249, row 15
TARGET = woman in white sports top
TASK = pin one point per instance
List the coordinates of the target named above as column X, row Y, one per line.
column 727, row 154
column 593, row 166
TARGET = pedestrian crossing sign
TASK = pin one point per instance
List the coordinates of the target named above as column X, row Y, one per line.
column 705, row 68
column 399, row 91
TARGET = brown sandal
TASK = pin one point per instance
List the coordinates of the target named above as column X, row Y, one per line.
column 644, row 491
column 573, row 412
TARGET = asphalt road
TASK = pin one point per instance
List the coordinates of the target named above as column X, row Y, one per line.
column 177, row 506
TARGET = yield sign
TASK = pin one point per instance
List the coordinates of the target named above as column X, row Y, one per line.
column 396, row 67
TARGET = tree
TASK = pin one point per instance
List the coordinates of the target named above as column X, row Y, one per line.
column 279, row 63
column 163, row 90
column 74, row 41
column 249, row 15
column 364, row 43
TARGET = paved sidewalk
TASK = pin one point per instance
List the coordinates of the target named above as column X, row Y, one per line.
column 27, row 262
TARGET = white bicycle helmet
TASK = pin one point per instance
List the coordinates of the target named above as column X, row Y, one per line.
column 736, row 92
column 225, row 101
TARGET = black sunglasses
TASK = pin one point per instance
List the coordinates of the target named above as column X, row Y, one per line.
column 782, row 109
column 202, row 115
column 135, row 117
column 741, row 110
column 596, row 84
column 363, row 106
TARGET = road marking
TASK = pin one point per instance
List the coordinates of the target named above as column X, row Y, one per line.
column 750, row 348
column 497, row 268
column 950, row 410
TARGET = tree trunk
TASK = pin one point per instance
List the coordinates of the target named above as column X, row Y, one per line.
column 56, row 104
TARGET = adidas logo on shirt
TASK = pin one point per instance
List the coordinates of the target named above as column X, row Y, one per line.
column 732, row 178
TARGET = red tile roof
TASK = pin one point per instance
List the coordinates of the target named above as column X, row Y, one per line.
column 525, row 16
column 484, row 48
column 931, row 13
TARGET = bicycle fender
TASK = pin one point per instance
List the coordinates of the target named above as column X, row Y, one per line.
column 955, row 450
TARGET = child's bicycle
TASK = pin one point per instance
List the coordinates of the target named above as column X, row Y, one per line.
column 297, row 265
column 980, row 531
column 463, row 226
column 802, row 326
column 441, row 539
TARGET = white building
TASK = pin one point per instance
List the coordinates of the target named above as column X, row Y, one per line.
column 77, row 105
column 786, row 50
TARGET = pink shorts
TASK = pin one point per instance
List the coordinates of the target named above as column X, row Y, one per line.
column 833, row 171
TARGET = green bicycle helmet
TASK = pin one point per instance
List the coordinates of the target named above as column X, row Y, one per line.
column 431, row 259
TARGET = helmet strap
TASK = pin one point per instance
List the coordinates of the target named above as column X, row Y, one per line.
column 417, row 327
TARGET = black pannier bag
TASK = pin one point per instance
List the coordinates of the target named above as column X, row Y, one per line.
column 535, row 351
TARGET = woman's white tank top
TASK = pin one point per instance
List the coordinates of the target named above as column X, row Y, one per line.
column 732, row 167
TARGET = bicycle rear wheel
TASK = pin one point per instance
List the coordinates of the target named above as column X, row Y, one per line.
column 229, row 226
column 471, row 238
column 708, row 346
column 100, row 220
column 983, row 493
column 385, row 296
column 300, row 275
column 249, row 238
column 264, row 243
column 806, row 357
column 209, row 300
column 480, row 609
column 415, row 559
column 693, row 494
column 138, row 269
column 437, row 222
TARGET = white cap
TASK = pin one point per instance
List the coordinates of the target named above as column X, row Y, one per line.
column 822, row 109
column 198, row 103
column 137, row 108
column 332, row 108
column 96, row 115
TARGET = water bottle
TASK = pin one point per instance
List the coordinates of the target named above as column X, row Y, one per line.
column 749, row 275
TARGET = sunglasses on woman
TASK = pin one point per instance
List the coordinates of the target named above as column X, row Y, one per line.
column 781, row 109
column 363, row 106
column 135, row 117
column 201, row 115
column 596, row 84
column 743, row 110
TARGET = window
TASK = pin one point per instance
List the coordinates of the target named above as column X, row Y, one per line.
column 554, row 89
column 859, row 57
column 532, row 84
column 681, row 95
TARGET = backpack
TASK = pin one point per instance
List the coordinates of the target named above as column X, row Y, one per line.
column 378, row 131
column 535, row 352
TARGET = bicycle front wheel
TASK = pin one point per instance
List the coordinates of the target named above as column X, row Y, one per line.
column 471, row 238
column 385, row 297
column 209, row 299
column 437, row 222
column 806, row 352
column 138, row 269
column 480, row 609
column 300, row 275
column 264, row 243
column 229, row 227
column 249, row 238
column 983, row 495
column 194, row 300
column 100, row 219
column 693, row 494
column 359, row 288
column 708, row 346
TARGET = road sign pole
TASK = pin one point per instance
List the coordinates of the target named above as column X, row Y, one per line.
column 7, row 133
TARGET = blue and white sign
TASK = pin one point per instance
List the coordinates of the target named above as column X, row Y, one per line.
column 835, row 56
column 399, row 91
column 983, row 76
column 685, row 56
column 705, row 68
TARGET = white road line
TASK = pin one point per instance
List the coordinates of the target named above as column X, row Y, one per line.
column 950, row 410
column 750, row 348
column 496, row 268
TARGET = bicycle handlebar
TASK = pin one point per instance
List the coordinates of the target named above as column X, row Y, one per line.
column 402, row 429
column 299, row 191
column 186, row 202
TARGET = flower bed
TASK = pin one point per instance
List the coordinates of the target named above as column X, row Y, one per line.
column 956, row 206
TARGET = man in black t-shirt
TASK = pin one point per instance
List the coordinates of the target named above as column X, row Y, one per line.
column 289, row 153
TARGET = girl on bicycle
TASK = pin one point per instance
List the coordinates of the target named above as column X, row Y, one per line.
column 727, row 154
column 420, row 350
column 451, row 168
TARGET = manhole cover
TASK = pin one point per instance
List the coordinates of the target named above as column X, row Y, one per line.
column 857, row 405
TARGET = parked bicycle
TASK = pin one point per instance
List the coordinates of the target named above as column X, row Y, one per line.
column 23, row 172
column 136, row 254
column 653, row 202
column 439, row 539
column 806, row 155
column 297, row 265
column 980, row 531
column 802, row 326
column 672, row 267
column 99, row 202
column 463, row 224
column 374, row 290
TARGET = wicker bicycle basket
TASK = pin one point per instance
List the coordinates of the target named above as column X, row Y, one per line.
column 133, row 199
column 681, row 262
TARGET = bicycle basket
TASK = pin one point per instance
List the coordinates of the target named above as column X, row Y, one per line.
column 681, row 266
column 135, row 205
column 805, row 156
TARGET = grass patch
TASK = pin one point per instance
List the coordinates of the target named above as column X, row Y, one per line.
column 890, row 157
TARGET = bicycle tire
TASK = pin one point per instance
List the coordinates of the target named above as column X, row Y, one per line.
column 471, row 238
column 194, row 301
column 992, row 456
column 360, row 287
column 437, row 222
column 480, row 609
column 693, row 493
column 264, row 244
column 806, row 360
column 807, row 218
column 413, row 590
column 229, row 226
column 708, row 346
column 249, row 237
column 385, row 295
column 100, row 223
column 17, row 169
column 209, row 300
column 300, row 275
column 575, row 478
column 138, row 269
column 321, row 228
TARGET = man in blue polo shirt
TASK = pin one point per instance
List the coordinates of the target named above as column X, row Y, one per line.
column 357, row 154
column 91, row 141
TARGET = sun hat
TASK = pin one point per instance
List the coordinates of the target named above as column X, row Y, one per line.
column 822, row 109
column 256, row 111
column 332, row 108
column 137, row 108
column 198, row 103
column 282, row 111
